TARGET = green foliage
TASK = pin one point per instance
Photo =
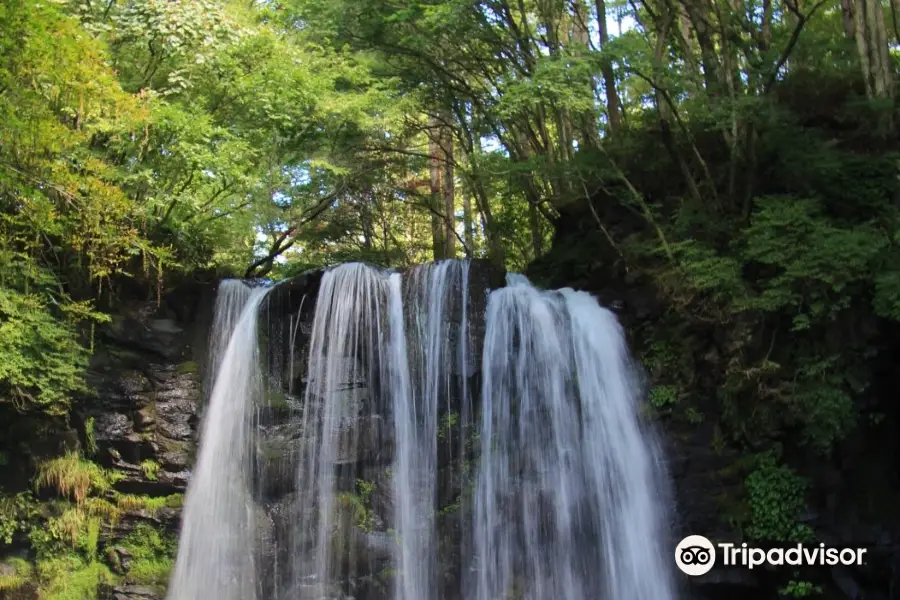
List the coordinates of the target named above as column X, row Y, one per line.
column 71, row 578
column 132, row 502
column 152, row 556
column 816, row 261
column 73, row 476
column 16, row 513
column 41, row 361
column 359, row 504
column 150, row 468
column 90, row 438
column 776, row 497
column 447, row 425
column 800, row 589
column 663, row 395
column 14, row 573
column 73, row 529
column 664, row 357
column 822, row 401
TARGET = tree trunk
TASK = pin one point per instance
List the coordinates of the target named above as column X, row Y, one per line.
column 448, row 191
column 496, row 253
column 872, row 46
column 613, row 110
column 849, row 20
column 537, row 238
column 437, row 173
column 468, row 229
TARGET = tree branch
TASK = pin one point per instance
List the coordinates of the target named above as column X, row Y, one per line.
column 795, row 36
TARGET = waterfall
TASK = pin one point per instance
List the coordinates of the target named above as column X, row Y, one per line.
column 567, row 500
column 231, row 298
column 437, row 350
column 340, row 412
column 446, row 441
column 215, row 552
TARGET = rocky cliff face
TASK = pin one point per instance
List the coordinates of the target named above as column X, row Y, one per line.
column 102, row 521
column 144, row 423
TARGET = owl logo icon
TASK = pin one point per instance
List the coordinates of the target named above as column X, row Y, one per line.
column 695, row 555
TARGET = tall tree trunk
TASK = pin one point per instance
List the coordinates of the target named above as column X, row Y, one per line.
column 613, row 110
column 437, row 173
column 895, row 19
column 496, row 253
column 709, row 54
column 537, row 237
column 849, row 18
column 580, row 35
column 468, row 229
column 448, row 192
column 872, row 46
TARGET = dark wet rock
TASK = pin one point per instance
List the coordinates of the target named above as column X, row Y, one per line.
column 367, row 439
column 145, row 419
column 120, row 559
column 135, row 592
column 278, row 456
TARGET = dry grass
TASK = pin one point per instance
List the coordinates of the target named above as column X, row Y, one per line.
column 72, row 476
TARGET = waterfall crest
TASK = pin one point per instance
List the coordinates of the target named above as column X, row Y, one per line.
column 231, row 298
column 445, row 441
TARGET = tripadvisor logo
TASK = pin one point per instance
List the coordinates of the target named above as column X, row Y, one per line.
column 695, row 555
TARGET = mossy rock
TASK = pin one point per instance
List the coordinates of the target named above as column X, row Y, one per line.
column 188, row 368
column 16, row 578
column 146, row 556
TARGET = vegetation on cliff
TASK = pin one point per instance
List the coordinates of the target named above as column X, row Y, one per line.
column 733, row 163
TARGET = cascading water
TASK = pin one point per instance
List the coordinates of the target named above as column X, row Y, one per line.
column 437, row 348
column 215, row 552
column 407, row 481
column 567, row 500
column 231, row 298
column 340, row 404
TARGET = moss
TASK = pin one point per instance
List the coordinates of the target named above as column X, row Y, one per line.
column 152, row 555
column 273, row 449
column 131, row 502
column 359, row 504
column 151, row 571
column 450, row 509
column 448, row 422
column 277, row 400
column 188, row 368
column 125, row 355
column 14, row 573
column 151, row 469
column 71, row 578
column 90, row 438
